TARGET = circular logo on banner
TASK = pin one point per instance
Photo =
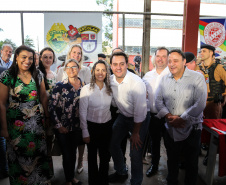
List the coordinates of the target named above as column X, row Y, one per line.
column 214, row 34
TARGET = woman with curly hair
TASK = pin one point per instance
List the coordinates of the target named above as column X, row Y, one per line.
column 95, row 122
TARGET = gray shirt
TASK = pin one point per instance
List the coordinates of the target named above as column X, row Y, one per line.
column 185, row 97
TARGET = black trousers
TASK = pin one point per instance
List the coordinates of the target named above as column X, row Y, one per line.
column 156, row 129
column 190, row 147
column 69, row 143
column 100, row 136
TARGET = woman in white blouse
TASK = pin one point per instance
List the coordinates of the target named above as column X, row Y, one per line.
column 76, row 52
column 95, row 122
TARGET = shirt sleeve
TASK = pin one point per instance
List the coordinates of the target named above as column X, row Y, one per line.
column 61, row 75
column 53, row 101
column 194, row 113
column 140, row 104
column 5, row 78
column 83, row 106
column 87, row 76
column 220, row 74
column 159, row 102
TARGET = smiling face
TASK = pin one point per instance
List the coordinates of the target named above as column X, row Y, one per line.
column 100, row 72
column 76, row 54
column 47, row 58
column 161, row 59
column 72, row 70
column 24, row 60
column 176, row 64
column 119, row 67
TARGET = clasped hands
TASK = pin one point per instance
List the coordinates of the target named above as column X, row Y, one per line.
column 175, row 121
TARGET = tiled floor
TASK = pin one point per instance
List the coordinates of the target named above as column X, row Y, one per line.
column 158, row 179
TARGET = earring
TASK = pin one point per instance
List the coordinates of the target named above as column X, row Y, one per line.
column 16, row 62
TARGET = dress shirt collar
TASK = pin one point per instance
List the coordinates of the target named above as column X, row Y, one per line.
column 125, row 80
column 165, row 71
column 186, row 73
column 97, row 87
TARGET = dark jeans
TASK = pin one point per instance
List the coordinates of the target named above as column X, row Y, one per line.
column 156, row 130
column 68, row 143
column 119, row 131
column 3, row 160
column 100, row 136
column 190, row 147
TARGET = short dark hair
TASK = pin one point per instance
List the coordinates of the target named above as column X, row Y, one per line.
column 162, row 48
column 119, row 54
column 117, row 48
column 181, row 53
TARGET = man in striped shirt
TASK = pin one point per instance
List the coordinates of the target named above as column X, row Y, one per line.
column 181, row 99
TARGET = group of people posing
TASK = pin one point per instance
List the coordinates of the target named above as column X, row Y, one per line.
column 74, row 105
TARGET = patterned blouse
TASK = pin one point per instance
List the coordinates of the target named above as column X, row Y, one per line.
column 64, row 105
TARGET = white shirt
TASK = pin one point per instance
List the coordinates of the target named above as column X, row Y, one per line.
column 130, row 96
column 94, row 106
column 151, row 80
column 84, row 74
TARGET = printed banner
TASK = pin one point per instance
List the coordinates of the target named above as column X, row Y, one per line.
column 65, row 29
column 212, row 32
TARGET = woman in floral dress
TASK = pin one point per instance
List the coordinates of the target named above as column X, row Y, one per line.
column 22, row 123
column 64, row 111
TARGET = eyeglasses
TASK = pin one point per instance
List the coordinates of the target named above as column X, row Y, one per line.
column 73, row 67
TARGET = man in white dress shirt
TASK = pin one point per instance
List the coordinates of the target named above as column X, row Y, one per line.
column 156, row 127
column 6, row 54
column 129, row 93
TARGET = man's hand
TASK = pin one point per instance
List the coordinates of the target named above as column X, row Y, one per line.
column 63, row 130
column 135, row 140
column 86, row 139
column 176, row 121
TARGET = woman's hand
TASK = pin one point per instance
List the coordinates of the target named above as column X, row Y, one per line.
column 63, row 130
column 86, row 139
column 5, row 134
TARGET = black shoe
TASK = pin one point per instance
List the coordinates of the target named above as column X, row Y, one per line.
column 182, row 165
column 4, row 174
column 205, row 147
column 205, row 160
column 152, row 170
column 115, row 177
column 77, row 183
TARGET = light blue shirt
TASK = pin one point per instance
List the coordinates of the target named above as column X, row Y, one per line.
column 6, row 65
column 185, row 97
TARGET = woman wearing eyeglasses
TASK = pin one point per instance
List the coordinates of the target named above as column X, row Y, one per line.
column 64, row 111
column 84, row 74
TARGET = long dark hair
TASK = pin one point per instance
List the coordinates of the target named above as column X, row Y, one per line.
column 41, row 66
column 14, row 70
column 106, row 80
